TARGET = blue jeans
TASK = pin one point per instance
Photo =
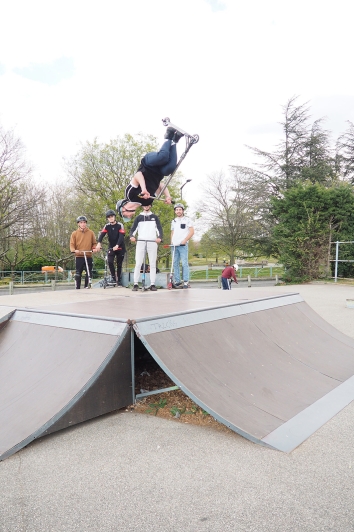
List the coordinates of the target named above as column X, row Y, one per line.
column 181, row 254
column 165, row 158
column 225, row 283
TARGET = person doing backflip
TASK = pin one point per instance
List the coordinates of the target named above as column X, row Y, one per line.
column 116, row 250
column 148, row 226
column 227, row 274
column 146, row 183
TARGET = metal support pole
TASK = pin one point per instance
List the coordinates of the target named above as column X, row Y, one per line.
column 11, row 288
column 249, row 281
column 336, row 264
column 53, row 284
column 132, row 362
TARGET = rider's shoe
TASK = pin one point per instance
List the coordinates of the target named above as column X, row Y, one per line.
column 178, row 135
column 177, row 285
column 170, row 131
column 153, row 288
column 135, row 288
column 185, row 284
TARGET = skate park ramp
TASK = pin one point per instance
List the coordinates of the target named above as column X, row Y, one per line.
column 267, row 367
column 58, row 370
column 272, row 370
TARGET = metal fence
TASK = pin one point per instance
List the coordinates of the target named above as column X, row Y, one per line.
column 67, row 276
column 243, row 272
column 22, row 277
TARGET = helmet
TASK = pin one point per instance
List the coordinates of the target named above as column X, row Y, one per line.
column 110, row 213
column 178, row 205
column 121, row 204
column 236, row 267
column 81, row 219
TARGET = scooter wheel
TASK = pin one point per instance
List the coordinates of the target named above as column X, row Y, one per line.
column 169, row 286
column 194, row 139
column 165, row 121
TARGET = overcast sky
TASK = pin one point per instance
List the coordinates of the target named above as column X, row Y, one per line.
column 74, row 70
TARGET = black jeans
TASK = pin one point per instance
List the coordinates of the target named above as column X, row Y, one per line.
column 80, row 267
column 119, row 255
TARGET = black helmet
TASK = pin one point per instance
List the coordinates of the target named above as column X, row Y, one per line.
column 121, row 204
column 110, row 213
column 178, row 205
column 81, row 219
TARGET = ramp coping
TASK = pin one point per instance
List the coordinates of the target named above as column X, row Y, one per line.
column 300, row 427
column 70, row 321
column 146, row 326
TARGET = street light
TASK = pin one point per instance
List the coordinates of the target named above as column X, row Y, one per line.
column 188, row 180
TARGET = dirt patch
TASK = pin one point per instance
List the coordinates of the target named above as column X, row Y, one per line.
column 174, row 405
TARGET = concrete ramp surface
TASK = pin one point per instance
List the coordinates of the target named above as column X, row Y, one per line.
column 271, row 370
column 56, row 371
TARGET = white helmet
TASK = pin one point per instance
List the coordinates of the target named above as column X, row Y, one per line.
column 236, row 267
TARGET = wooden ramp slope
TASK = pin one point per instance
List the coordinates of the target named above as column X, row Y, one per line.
column 56, row 371
column 272, row 370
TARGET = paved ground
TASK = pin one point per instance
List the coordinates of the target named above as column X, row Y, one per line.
column 130, row 472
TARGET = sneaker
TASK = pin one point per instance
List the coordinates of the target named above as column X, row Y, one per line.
column 178, row 135
column 185, row 284
column 135, row 288
column 153, row 288
column 170, row 131
column 177, row 285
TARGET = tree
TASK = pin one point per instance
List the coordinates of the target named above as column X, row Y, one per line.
column 307, row 218
column 345, row 149
column 319, row 164
column 304, row 153
column 54, row 220
column 230, row 213
column 19, row 196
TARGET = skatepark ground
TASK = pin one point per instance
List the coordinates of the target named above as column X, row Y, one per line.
column 132, row 472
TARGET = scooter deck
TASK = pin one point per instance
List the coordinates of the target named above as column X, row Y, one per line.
column 166, row 122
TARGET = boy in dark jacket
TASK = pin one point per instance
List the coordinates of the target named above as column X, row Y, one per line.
column 116, row 250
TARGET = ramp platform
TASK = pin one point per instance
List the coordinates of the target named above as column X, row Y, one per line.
column 267, row 367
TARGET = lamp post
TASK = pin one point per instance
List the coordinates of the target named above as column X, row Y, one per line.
column 188, row 180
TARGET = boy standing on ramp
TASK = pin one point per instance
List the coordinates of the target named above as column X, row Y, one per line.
column 83, row 239
column 181, row 231
column 149, row 228
column 115, row 232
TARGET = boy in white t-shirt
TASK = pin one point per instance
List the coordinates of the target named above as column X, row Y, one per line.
column 181, row 231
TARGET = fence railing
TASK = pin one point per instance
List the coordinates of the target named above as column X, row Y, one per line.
column 255, row 272
column 23, row 277
column 207, row 273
